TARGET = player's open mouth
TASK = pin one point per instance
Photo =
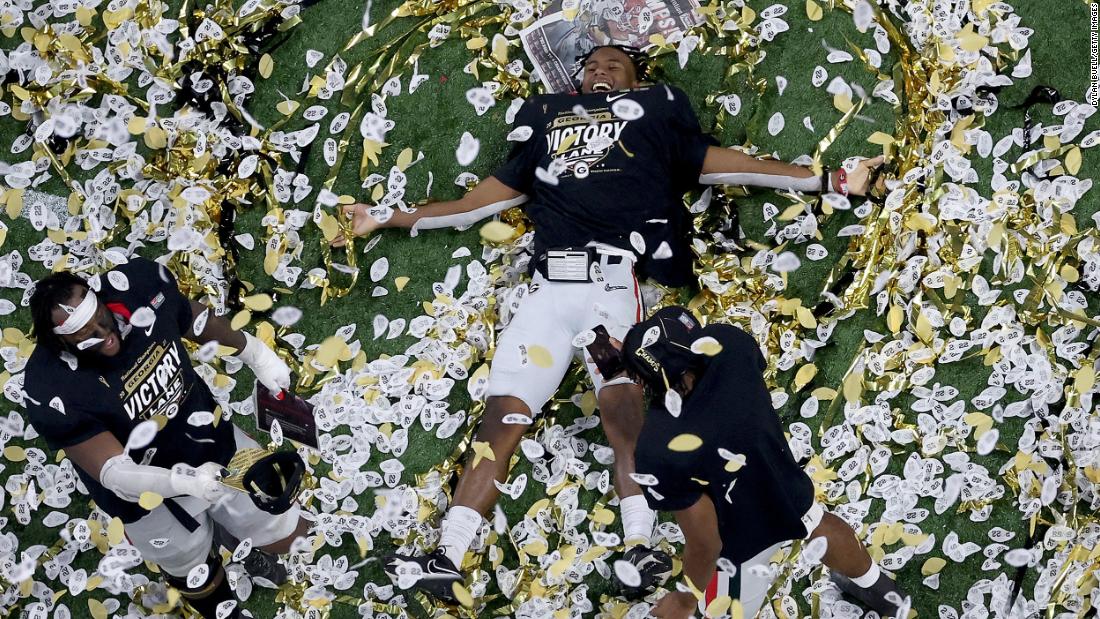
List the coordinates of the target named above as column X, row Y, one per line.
column 601, row 86
column 109, row 344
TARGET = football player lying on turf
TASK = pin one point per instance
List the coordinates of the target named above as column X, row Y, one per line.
column 109, row 357
column 722, row 465
column 598, row 167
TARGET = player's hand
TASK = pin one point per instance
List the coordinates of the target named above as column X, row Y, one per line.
column 203, row 481
column 858, row 179
column 362, row 223
column 675, row 605
column 272, row 372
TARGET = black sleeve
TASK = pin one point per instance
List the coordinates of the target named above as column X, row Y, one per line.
column 673, row 497
column 687, row 142
column 519, row 171
column 674, row 490
column 738, row 343
column 153, row 279
column 62, row 429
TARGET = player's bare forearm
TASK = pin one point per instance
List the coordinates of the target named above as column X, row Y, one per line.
column 729, row 161
column 488, row 191
column 91, row 454
column 702, row 544
column 490, row 196
column 728, row 166
column 217, row 328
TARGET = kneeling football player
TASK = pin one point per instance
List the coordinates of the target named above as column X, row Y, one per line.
column 109, row 356
column 723, row 466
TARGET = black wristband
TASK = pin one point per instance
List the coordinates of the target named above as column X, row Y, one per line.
column 824, row 180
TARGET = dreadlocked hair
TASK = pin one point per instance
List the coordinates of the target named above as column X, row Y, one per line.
column 637, row 57
column 48, row 293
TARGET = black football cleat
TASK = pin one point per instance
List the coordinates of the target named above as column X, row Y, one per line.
column 653, row 565
column 876, row 597
column 432, row 573
column 260, row 564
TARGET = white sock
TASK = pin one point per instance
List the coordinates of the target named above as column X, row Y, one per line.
column 638, row 519
column 868, row 579
column 459, row 529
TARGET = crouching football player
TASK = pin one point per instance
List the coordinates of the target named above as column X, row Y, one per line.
column 109, row 356
column 722, row 465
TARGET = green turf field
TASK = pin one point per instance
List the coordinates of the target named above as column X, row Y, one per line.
column 432, row 120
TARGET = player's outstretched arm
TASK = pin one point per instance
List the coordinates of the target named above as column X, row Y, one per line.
column 103, row 458
column 269, row 369
column 489, row 197
column 702, row 547
column 727, row 166
column 212, row 328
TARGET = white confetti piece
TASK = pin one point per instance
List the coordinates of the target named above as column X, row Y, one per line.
column 142, row 434
column 816, row 252
column 143, row 317
column 786, row 262
column 118, row 280
column 196, row 578
column 673, row 402
column 379, row 268
column 627, row 573
column 200, row 418
column 584, row 338
column 520, row 134
column 776, row 123
column 467, row 150
column 481, row 98
column 627, row 109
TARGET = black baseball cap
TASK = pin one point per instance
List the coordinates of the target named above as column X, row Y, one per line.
column 658, row 349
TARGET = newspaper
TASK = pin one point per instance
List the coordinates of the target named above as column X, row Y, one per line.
column 568, row 29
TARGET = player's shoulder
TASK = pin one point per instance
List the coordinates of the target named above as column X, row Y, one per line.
column 548, row 103
column 661, row 90
column 724, row 331
column 661, row 99
column 534, row 109
column 46, row 371
column 137, row 282
column 138, row 266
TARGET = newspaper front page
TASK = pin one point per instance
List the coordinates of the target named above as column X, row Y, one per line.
column 568, row 29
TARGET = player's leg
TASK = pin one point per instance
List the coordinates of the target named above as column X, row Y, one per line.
column 162, row 539
column 616, row 303
column 517, row 385
column 622, row 418
column 212, row 594
column 271, row 534
column 476, row 492
column 755, row 580
column 852, row 568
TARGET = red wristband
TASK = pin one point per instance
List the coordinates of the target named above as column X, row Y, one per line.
column 842, row 181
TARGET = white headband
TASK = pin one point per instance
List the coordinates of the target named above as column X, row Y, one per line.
column 78, row 316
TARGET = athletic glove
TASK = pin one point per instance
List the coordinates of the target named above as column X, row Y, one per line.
column 269, row 369
column 203, row 482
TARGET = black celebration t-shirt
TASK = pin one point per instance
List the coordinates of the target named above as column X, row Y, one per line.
column 623, row 160
column 761, row 498
column 151, row 376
